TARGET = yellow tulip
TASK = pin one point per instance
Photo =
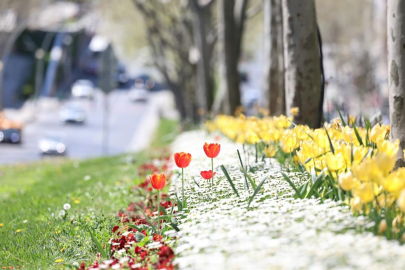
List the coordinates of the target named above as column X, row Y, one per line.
column 365, row 191
column 294, row 111
column 378, row 132
column 334, row 162
column 359, row 152
column 401, row 201
column 385, row 163
column 387, row 147
column 355, row 204
column 336, row 123
column 347, row 181
column 394, row 182
column 366, row 170
column 270, row 151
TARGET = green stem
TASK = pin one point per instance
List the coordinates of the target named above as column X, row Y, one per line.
column 182, row 184
column 158, row 228
column 212, row 171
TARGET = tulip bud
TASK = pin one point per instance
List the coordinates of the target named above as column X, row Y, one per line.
column 347, row 181
column 382, row 227
column 401, row 201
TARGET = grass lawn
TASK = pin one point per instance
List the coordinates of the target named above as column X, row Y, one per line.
column 33, row 231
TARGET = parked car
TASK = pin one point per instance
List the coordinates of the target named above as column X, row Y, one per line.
column 83, row 89
column 72, row 113
column 10, row 135
column 52, row 145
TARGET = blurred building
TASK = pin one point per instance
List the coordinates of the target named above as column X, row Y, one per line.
column 50, row 52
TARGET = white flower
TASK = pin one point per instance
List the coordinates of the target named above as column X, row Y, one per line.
column 62, row 213
column 87, row 178
column 66, row 206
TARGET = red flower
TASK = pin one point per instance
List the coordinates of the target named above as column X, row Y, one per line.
column 212, row 149
column 182, row 159
column 116, row 227
column 207, row 174
column 158, row 181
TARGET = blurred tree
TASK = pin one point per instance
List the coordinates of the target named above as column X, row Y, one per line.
column 170, row 37
column 273, row 67
column 302, row 61
column 205, row 39
column 396, row 63
column 232, row 15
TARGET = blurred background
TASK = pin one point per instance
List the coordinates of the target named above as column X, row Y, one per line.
column 90, row 78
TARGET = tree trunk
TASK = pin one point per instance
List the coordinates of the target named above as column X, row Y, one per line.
column 205, row 81
column 396, row 70
column 273, row 67
column 229, row 77
column 302, row 61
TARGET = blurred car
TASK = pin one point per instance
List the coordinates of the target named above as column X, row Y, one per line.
column 72, row 113
column 138, row 94
column 146, row 82
column 83, row 89
column 52, row 145
column 10, row 135
column 122, row 78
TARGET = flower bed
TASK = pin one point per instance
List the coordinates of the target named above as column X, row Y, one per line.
column 277, row 231
column 246, row 215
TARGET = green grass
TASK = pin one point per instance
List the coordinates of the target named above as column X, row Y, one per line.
column 33, row 234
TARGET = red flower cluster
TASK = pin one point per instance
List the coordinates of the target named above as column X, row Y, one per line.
column 139, row 258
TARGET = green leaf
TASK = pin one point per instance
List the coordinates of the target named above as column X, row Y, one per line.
column 340, row 115
column 174, row 226
column 98, row 245
column 249, row 178
column 315, row 185
column 132, row 226
column 357, row 134
column 162, row 209
column 330, row 142
column 163, row 217
column 243, row 170
column 147, row 218
column 229, row 180
column 139, row 236
column 108, row 250
column 196, row 182
column 291, row 184
column 303, row 189
column 179, row 204
column 257, row 189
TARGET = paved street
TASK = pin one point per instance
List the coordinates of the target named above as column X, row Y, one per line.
column 84, row 140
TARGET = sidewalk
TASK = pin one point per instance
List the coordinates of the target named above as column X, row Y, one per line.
column 160, row 105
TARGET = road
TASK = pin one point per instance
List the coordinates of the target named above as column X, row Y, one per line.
column 85, row 140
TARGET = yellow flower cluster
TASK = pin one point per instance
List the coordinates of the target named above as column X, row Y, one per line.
column 361, row 161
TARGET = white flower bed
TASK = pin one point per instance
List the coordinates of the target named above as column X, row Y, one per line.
column 278, row 232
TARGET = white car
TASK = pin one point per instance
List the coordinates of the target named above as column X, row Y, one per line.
column 52, row 145
column 72, row 113
column 83, row 89
column 138, row 94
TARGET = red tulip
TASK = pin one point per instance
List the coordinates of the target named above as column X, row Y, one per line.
column 207, row 174
column 212, row 149
column 182, row 159
column 158, row 181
